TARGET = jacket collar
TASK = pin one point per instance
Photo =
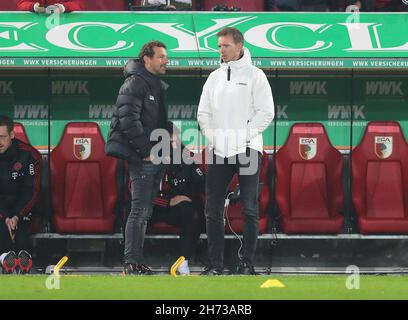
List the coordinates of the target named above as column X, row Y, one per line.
column 10, row 152
column 245, row 60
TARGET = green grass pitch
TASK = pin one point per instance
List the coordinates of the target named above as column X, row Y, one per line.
column 202, row 288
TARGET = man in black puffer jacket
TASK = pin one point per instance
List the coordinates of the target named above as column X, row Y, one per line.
column 140, row 110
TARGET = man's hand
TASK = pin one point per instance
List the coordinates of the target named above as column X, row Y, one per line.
column 38, row 9
column 178, row 199
column 149, row 158
column 61, row 7
column 354, row 7
column 11, row 224
column 56, row 8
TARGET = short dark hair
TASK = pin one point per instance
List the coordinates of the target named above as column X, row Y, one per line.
column 6, row 121
column 148, row 49
column 235, row 33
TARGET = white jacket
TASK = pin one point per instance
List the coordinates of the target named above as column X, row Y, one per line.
column 233, row 113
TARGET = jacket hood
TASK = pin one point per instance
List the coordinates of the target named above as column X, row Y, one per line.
column 135, row 66
column 244, row 61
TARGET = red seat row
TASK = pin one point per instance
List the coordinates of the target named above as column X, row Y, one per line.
column 90, row 5
column 308, row 187
column 84, row 190
column 123, row 5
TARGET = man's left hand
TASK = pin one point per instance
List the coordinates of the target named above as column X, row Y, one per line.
column 177, row 199
column 11, row 224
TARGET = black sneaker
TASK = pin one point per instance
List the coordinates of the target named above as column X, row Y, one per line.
column 212, row 271
column 25, row 262
column 144, row 270
column 9, row 262
column 130, row 269
column 246, row 268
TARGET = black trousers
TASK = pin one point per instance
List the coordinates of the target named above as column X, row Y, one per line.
column 21, row 239
column 218, row 178
column 145, row 182
column 185, row 216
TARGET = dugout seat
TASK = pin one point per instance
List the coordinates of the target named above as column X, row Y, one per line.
column 309, row 190
column 235, row 214
column 21, row 133
column 154, row 226
column 9, row 5
column 158, row 226
column 162, row 227
column 380, row 179
column 83, row 181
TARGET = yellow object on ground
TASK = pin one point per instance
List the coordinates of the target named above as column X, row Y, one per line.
column 60, row 264
column 273, row 283
column 174, row 267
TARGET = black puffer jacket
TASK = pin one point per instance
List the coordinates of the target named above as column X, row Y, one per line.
column 140, row 109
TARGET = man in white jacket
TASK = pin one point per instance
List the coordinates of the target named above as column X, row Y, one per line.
column 236, row 106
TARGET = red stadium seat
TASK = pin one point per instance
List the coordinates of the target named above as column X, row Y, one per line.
column 234, row 213
column 90, row 5
column 309, row 189
column 20, row 133
column 9, row 5
column 83, row 179
column 380, row 179
column 245, row 5
column 161, row 227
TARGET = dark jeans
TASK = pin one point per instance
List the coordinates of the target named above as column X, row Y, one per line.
column 21, row 239
column 185, row 216
column 145, row 180
column 218, row 179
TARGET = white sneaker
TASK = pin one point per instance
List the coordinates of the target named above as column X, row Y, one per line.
column 183, row 269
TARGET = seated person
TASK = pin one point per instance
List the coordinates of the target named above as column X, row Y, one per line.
column 376, row 5
column 19, row 190
column 157, row 5
column 176, row 204
column 182, row 4
column 167, row 4
column 50, row 6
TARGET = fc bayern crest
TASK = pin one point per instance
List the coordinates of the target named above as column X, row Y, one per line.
column 383, row 147
column 307, row 148
column 82, row 148
column 17, row 166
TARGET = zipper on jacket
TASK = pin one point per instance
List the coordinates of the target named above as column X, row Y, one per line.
column 247, row 143
column 229, row 73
